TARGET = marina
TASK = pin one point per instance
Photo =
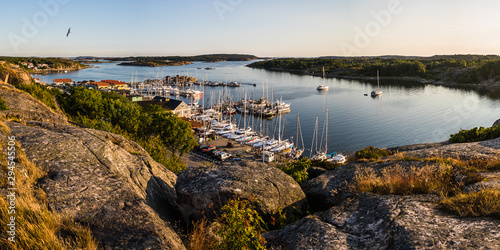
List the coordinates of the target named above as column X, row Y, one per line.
column 407, row 113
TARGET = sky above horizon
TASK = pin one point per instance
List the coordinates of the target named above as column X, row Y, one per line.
column 295, row 28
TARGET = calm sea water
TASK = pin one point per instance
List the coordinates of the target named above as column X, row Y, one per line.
column 406, row 113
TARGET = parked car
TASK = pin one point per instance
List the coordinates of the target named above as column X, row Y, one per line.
column 224, row 156
column 215, row 153
column 211, row 147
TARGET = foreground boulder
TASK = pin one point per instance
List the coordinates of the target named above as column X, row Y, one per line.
column 104, row 181
column 387, row 222
column 202, row 191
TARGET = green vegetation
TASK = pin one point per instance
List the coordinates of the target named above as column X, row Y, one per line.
column 37, row 227
column 40, row 92
column 483, row 203
column 296, row 169
column 160, row 132
column 240, row 226
column 476, row 134
column 371, row 153
column 3, row 105
column 459, row 68
column 487, row 70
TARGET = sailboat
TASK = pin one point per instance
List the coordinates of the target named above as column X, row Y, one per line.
column 297, row 152
column 323, row 86
column 377, row 92
column 321, row 153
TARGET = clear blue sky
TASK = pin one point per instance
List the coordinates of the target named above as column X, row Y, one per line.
column 264, row 28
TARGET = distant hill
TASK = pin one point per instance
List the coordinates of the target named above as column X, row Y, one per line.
column 466, row 57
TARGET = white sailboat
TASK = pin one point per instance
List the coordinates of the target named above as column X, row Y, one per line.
column 321, row 153
column 297, row 152
column 323, row 86
column 377, row 92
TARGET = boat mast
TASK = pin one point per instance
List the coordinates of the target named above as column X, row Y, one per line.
column 378, row 82
column 297, row 134
column 315, row 135
column 326, row 132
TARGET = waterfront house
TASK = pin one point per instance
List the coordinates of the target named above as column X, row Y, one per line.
column 179, row 107
column 60, row 82
column 176, row 106
column 118, row 85
column 99, row 85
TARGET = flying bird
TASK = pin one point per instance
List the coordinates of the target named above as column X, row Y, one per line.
column 69, row 31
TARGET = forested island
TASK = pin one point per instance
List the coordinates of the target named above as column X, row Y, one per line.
column 155, row 63
column 440, row 69
column 199, row 58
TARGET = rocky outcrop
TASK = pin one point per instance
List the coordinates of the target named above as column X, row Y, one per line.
column 12, row 74
column 104, row 181
column 496, row 123
column 25, row 108
column 387, row 222
column 330, row 188
column 483, row 149
column 202, row 190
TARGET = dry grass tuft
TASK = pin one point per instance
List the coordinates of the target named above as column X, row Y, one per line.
column 200, row 236
column 405, row 181
column 483, row 203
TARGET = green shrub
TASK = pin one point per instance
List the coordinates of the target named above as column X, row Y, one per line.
column 476, row 134
column 240, row 226
column 3, row 105
column 296, row 169
column 371, row 153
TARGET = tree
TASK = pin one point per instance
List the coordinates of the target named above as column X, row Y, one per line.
column 176, row 133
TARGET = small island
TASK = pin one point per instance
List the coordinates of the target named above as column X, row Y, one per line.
column 155, row 63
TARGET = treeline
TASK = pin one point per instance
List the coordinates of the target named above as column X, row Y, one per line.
column 52, row 62
column 203, row 58
column 165, row 136
column 436, row 67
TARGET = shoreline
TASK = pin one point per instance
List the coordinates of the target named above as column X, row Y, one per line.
column 483, row 85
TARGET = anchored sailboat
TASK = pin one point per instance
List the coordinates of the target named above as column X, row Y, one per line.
column 321, row 153
column 323, row 86
column 377, row 92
